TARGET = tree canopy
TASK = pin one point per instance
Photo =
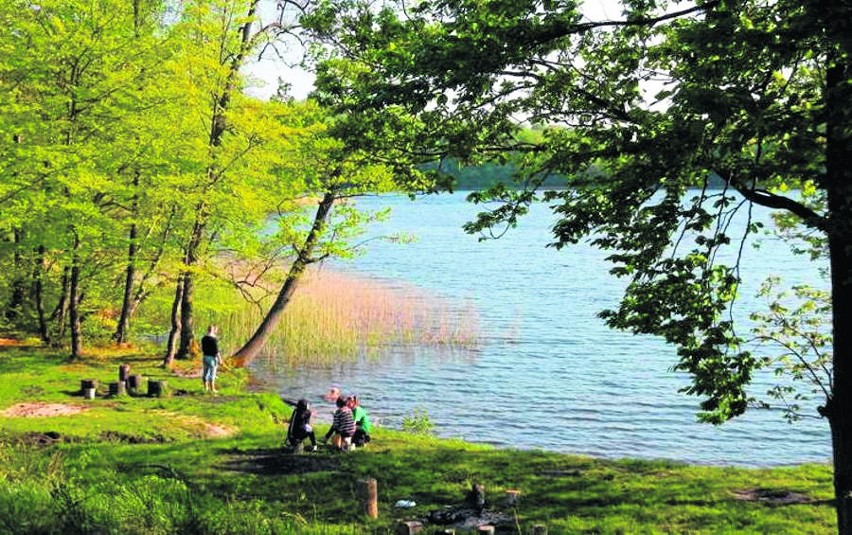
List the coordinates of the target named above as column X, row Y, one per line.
column 639, row 114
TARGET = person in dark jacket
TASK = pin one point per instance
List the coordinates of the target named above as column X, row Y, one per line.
column 211, row 358
column 300, row 426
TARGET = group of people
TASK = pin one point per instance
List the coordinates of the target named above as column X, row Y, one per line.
column 350, row 427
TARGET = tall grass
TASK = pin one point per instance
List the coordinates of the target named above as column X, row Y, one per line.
column 337, row 316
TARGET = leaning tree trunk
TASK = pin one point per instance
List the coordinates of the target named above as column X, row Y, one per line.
column 174, row 333
column 839, row 188
column 251, row 348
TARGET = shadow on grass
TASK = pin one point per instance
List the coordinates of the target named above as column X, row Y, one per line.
column 280, row 461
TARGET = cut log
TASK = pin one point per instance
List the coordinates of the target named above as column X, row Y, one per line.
column 539, row 529
column 134, row 383
column 409, row 527
column 89, row 393
column 369, row 495
column 158, row 389
column 485, row 530
column 118, row 388
column 88, row 383
column 123, row 372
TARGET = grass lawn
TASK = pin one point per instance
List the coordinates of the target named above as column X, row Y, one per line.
column 197, row 463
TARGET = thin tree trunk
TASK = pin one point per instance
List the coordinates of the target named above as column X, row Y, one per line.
column 255, row 344
column 38, row 295
column 839, row 189
column 16, row 301
column 121, row 330
column 74, row 304
column 174, row 333
column 61, row 311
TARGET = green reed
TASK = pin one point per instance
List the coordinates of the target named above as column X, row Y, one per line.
column 335, row 316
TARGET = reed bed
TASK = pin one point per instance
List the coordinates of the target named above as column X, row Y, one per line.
column 336, row 316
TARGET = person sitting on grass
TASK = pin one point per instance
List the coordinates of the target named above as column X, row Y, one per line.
column 300, row 426
column 342, row 427
column 363, row 426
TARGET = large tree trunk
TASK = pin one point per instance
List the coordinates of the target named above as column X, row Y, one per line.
column 187, row 334
column 218, row 126
column 174, row 333
column 255, row 344
column 839, row 188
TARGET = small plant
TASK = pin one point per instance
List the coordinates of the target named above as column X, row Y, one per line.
column 417, row 422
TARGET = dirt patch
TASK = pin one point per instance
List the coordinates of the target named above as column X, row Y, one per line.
column 771, row 496
column 42, row 410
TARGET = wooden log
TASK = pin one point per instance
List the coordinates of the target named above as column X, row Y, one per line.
column 118, row 388
column 369, row 497
column 158, row 389
column 88, row 383
column 134, row 383
column 409, row 527
column 123, row 372
column 485, row 530
column 89, row 393
column 539, row 529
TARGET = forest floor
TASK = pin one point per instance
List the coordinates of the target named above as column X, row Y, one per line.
column 192, row 462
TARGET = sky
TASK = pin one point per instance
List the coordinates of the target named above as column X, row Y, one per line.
column 266, row 72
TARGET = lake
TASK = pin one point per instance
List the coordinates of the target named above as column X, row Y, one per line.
column 547, row 372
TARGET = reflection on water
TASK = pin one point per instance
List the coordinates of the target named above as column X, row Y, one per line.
column 546, row 372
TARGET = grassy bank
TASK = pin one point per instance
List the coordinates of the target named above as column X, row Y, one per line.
column 196, row 463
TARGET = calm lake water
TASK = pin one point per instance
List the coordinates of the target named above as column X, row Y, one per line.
column 547, row 373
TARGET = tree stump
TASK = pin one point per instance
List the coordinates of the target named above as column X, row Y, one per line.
column 485, row 530
column 89, row 393
column 123, row 372
column 158, row 389
column 88, row 383
column 134, row 383
column 512, row 497
column 118, row 388
column 539, row 529
column 476, row 497
column 409, row 527
column 368, row 495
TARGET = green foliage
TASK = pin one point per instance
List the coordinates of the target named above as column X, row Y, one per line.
column 664, row 124
column 418, row 423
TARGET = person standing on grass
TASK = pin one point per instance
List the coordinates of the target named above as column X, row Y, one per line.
column 211, row 358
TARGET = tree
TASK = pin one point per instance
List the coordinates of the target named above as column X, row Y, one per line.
column 332, row 173
column 637, row 112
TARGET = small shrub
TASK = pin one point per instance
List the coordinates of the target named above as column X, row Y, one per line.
column 417, row 422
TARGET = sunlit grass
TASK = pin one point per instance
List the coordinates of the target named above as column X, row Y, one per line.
column 337, row 316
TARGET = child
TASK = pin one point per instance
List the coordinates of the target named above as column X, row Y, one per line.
column 300, row 426
column 343, row 426
column 363, row 426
